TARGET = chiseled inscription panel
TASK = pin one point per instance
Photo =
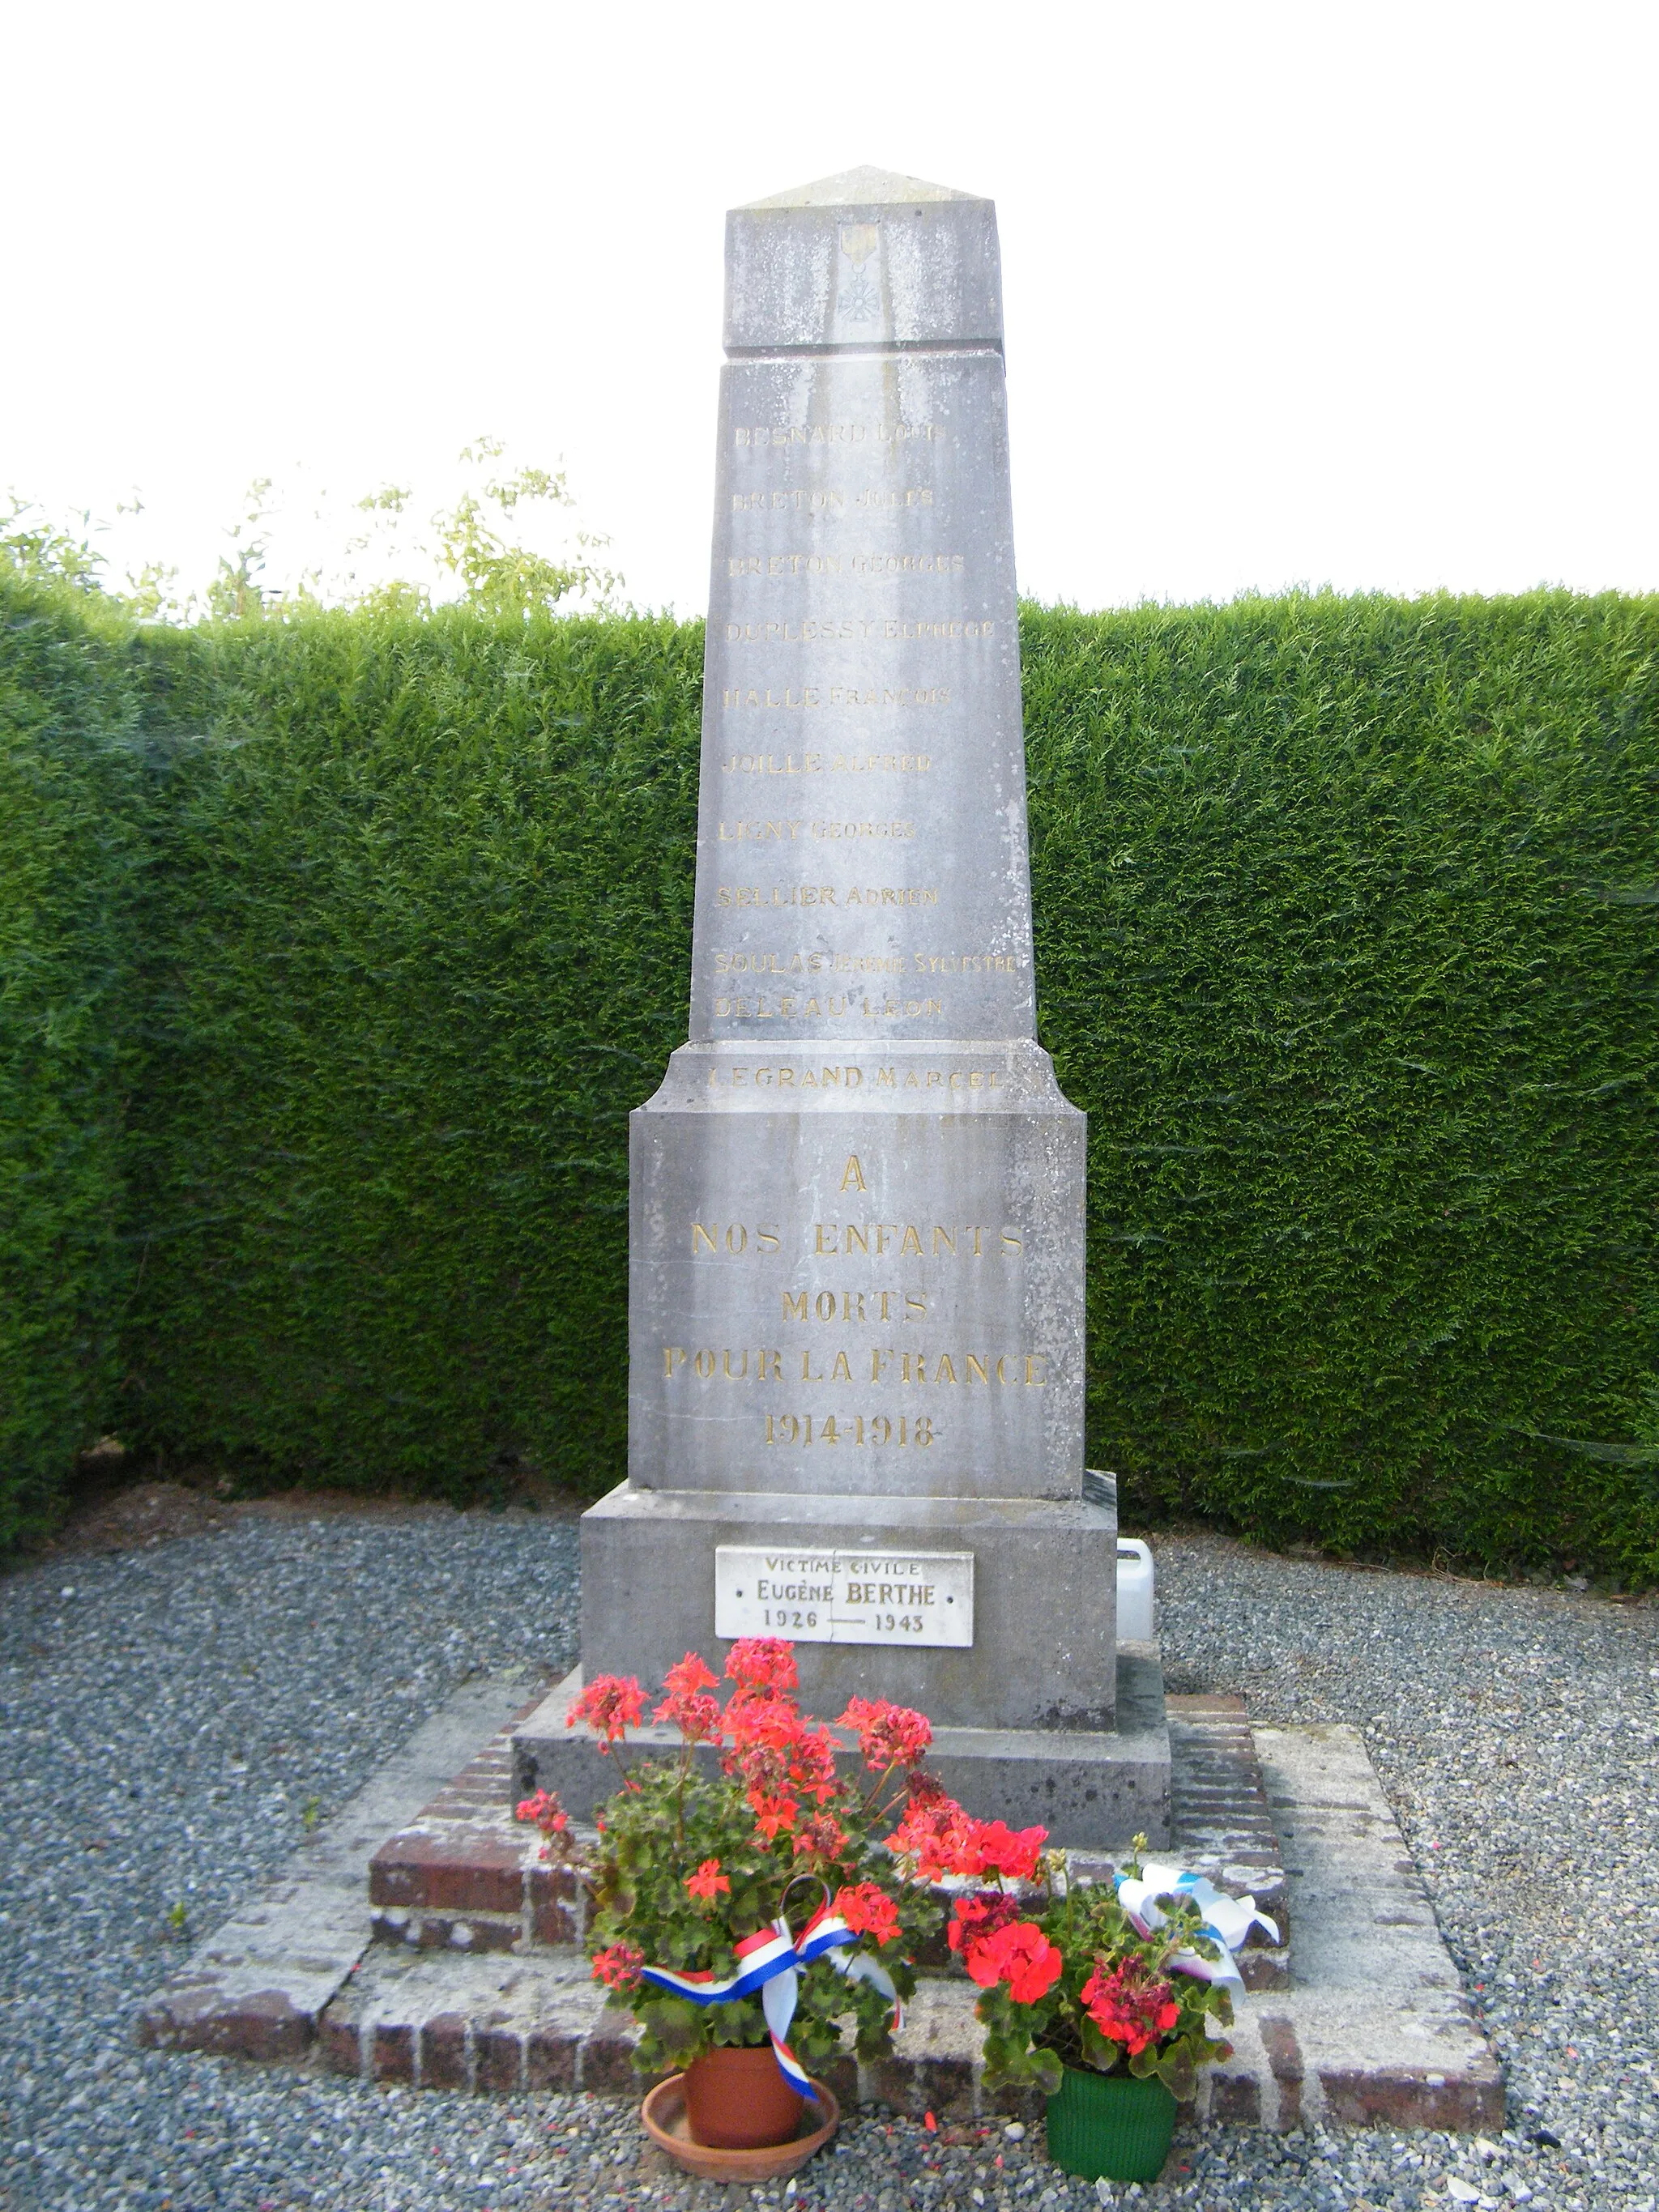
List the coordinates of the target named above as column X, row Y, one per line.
column 863, row 797
column 845, row 1596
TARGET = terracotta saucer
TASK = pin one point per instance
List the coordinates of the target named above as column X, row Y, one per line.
column 664, row 2115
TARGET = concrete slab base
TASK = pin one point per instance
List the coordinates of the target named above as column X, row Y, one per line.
column 259, row 1985
column 1044, row 1597
column 1361, row 2023
column 1097, row 1788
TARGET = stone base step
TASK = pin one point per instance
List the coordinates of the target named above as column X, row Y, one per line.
column 1361, row 2022
column 465, row 1876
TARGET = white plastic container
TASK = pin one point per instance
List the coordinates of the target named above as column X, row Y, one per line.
column 1137, row 1601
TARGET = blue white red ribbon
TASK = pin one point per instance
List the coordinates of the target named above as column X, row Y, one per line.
column 771, row 1960
column 1227, row 1920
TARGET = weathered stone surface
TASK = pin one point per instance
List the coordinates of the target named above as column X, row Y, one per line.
column 258, row 1985
column 860, row 259
column 1043, row 1653
column 1374, row 2029
column 1367, row 2027
column 857, row 1270
column 1094, row 1788
column 857, row 1201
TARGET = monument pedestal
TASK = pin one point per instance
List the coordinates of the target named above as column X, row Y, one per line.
column 857, row 1202
column 1042, row 1654
column 1092, row 1789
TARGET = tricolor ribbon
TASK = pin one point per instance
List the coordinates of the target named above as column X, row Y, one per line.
column 771, row 1960
column 1227, row 1920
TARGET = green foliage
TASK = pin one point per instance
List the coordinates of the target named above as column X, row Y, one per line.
column 659, row 1829
column 689, row 1864
column 33, row 548
column 71, row 870
column 426, row 941
column 1346, row 915
column 1028, row 2044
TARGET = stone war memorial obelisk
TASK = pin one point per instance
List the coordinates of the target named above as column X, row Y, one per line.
column 856, row 1255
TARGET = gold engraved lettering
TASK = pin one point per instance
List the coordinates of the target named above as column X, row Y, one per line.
column 856, row 629
column 840, row 1373
column 794, row 895
column 795, row 1305
column 768, row 700
column 976, row 1366
column 964, row 963
column 700, row 1235
column 852, row 1178
column 877, row 694
column 825, row 763
column 850, row 1078
column 906, row 564
column 896, row 432
column 803, row 502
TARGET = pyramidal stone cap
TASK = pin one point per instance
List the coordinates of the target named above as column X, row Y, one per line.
column 867, row 261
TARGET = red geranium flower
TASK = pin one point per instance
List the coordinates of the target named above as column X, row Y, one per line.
column 708, row 1881
column 610, row 1705
column 821, row 1838
column 973, row 1918
column 763, row 1662
column 688, row 1705
column 773, row 1816
column 618, row 1965
column 868, row 1910
column 544, row 1811
column 1012, row 1853
column 889, row 1736
column 1019, row 1954
column 938, row 1834
column 687, row 1676
column 1129, row 2004
column 812, row 1764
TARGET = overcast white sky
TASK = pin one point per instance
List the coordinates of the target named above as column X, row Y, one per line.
column 1361, row 293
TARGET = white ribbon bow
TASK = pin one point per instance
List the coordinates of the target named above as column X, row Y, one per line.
column 1227, row 1920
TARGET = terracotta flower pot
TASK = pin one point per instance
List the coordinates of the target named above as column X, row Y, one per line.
column 738, row 2100
column 1110, row 2125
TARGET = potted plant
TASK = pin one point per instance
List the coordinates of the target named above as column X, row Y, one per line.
column 744, row 1914
column 1103, row 1997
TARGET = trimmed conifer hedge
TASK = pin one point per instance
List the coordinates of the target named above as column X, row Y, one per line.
column 1346, row 915
column 1347, row 941
column 72, row 854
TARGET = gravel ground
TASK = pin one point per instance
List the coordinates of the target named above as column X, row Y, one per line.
column 175, row 1715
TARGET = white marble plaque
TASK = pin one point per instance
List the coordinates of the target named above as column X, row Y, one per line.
column 845, row 1596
